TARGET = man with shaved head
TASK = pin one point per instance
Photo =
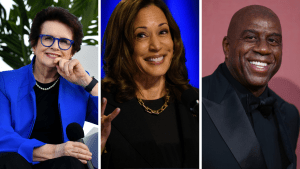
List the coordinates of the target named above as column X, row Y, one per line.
column 244, row 123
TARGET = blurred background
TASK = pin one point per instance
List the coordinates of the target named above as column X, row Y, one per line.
column 186, row 15
column 15, row 22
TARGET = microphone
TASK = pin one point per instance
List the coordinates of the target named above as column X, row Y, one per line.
column 190, row 99
column 75, row 133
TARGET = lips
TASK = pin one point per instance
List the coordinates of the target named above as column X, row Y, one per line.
column 52, row 55
column 259, row 66
column 155, row 59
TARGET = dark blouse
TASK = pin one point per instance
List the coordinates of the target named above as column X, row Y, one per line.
column 47, row 127
column 165, row 131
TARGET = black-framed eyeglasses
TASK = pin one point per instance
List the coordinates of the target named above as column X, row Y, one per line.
column 63, row 43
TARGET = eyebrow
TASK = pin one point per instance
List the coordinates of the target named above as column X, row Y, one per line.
column 276, row 34
column 249, row 30
column 144, row 27
column 254, row 31
column 55, row 36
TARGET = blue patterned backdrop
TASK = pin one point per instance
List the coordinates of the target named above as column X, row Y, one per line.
column 186, row 14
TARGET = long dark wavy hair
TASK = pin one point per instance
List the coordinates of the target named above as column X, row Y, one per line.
column 117, row 44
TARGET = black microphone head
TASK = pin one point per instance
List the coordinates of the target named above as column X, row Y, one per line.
column 74, row 131
column 189, row 97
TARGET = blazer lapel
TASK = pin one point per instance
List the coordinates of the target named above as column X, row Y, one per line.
column 131, row 119
column 26, row 98
column 227, row 113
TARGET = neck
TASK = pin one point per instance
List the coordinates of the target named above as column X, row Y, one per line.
column 255, row 90
column 44, row 74
column 150, row 88
column 258, row 92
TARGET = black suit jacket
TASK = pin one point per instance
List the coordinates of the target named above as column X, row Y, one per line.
column 131, row 144
column 228, row 139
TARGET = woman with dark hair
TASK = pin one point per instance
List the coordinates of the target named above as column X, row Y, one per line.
column 40, row 100
column 143, row 121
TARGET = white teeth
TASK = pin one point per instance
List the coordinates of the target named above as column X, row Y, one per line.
column 156, row 59
column 52, row 55
column 259, row 64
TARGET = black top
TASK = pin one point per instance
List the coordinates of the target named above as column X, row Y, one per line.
column 47, row 127
column 266, row 129
column 164, row 129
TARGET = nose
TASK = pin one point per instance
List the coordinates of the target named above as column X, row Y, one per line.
column 262, row 47
column 55, row 45
column 155, row 43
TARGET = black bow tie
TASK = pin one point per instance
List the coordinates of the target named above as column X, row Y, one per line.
column 263, row 105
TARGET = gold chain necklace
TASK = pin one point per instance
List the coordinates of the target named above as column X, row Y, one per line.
column 157, row 112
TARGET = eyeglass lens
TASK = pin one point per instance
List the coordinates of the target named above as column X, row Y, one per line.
column 49, row 41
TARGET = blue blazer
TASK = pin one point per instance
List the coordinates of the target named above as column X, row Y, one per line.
column 18, row 109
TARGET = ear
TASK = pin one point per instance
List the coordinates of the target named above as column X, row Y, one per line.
column 225, row 44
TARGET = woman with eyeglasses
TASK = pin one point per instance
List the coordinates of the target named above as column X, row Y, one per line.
column 39, row 100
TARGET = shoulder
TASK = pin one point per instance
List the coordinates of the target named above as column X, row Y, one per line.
column 290, row 115
column 205, row 85
column 15, row 75
column 215, row 81
column 211, row 83
column 285, row 107
column 14, row 79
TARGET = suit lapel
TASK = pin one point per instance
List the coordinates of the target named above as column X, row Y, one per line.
column 131, row 119
column 227, row 113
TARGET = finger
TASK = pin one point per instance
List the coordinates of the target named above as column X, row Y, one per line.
column 82, row 153
column 66, row 68
column 82, row 157
column 77, row 147
column 61, row 64
column 60, row 71
column 56, row 60
column 83, row 146
column 72, row 66
column 114, row 114
column 83, row 161
column 103, row 105
column 78, row 153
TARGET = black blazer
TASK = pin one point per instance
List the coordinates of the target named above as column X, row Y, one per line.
column 131, row 144
column 228, row 139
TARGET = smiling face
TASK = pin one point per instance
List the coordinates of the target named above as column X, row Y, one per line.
column 153, row 44
column 253, row 50
column 46, row 55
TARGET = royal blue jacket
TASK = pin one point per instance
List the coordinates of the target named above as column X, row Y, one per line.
column 18, row 110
